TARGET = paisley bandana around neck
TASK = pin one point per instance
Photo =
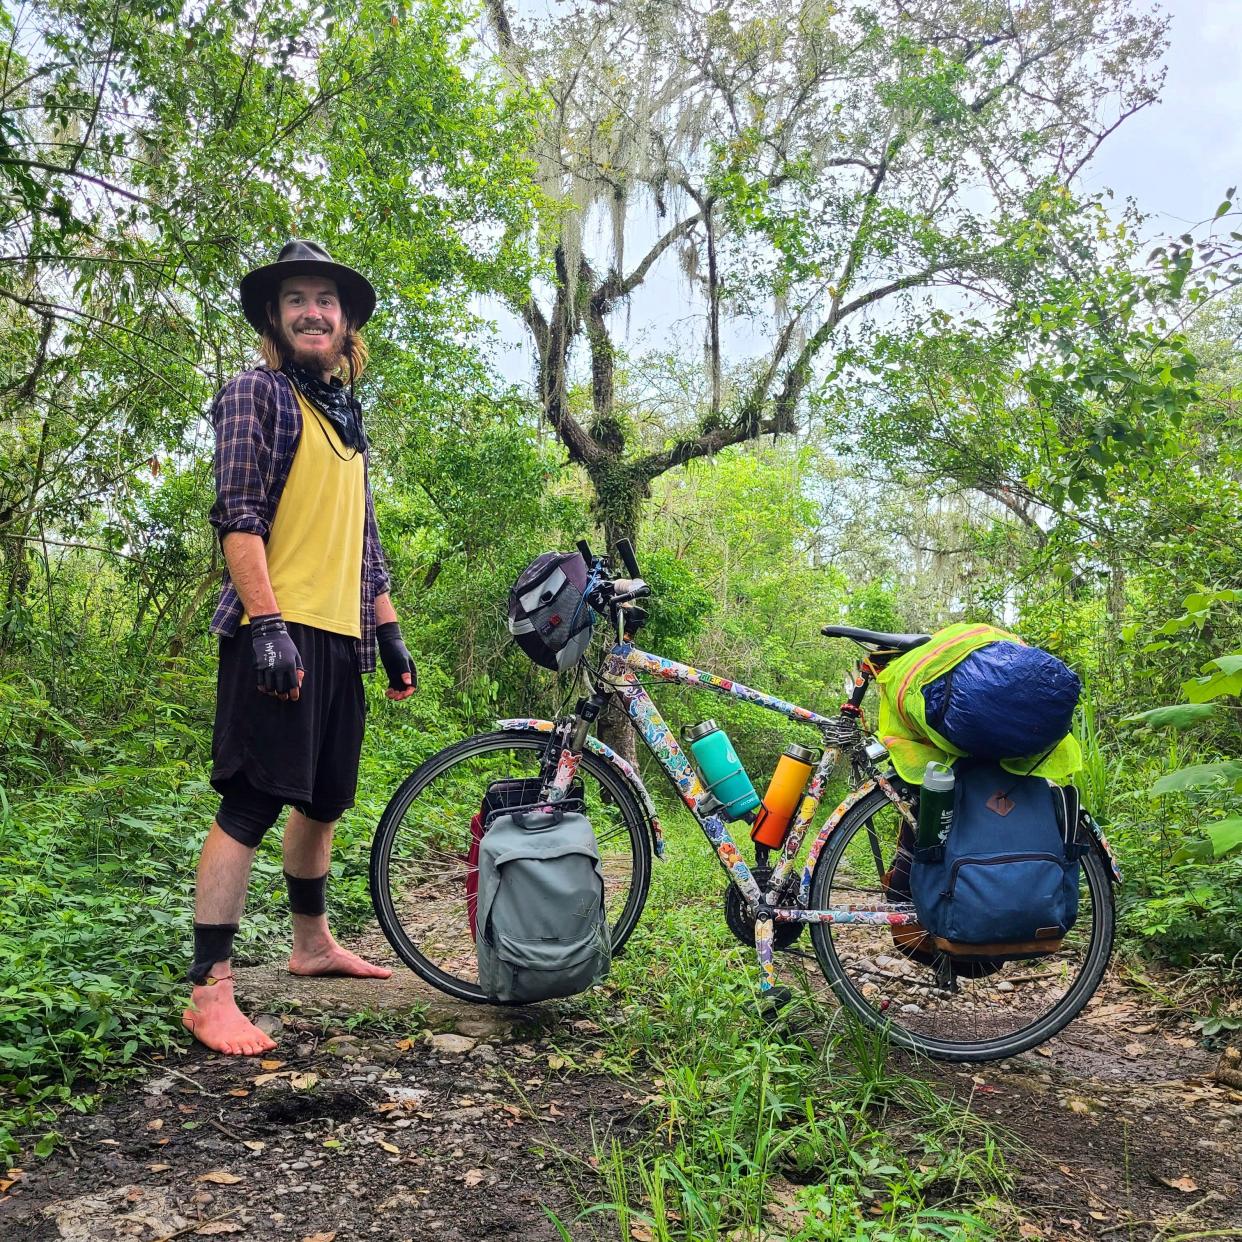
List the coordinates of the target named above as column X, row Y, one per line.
column 337, row 403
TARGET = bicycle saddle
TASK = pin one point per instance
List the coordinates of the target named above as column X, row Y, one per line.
column 891, row 642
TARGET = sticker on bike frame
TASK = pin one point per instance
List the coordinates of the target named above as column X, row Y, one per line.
column 685, row 675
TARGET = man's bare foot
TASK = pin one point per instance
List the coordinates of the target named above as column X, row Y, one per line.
column 214, row 1019
column 330, row 959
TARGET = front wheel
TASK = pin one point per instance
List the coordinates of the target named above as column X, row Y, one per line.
column 419, row 855
column 930, row 1003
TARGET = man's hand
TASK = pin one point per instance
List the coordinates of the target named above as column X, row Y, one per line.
column 402, row 675
column 277, row 664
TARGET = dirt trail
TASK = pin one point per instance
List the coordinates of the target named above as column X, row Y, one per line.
column 467, row 1132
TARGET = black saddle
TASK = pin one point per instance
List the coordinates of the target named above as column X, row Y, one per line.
column 876, row 641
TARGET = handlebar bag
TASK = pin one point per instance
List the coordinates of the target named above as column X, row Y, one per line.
column 543, row 930
column 549, row 617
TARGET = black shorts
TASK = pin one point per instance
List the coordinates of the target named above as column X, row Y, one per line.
column 267, row 754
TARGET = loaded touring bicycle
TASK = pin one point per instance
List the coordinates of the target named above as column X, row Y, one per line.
column 844, row 893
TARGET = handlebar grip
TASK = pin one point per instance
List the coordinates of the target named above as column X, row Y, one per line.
column 625, row 550
column 585, row 549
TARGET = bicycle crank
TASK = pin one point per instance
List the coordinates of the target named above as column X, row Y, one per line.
column 742, row 923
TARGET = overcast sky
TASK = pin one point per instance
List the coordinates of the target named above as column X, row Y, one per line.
column 1175, row 159
column 1178, row 157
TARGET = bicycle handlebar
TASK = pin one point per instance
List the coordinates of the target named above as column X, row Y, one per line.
column 625, row 550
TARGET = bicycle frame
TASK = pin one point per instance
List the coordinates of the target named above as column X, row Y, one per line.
column 622, row 668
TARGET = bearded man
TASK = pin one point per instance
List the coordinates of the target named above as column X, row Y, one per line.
column 304, row 600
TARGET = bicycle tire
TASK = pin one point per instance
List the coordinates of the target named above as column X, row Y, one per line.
column 400, row 937
column 848, row 982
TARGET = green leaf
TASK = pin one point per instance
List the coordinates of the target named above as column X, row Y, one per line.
column 1231, row 663
column 1200, row 689
column 1198, row 774
column 1176, row 716
column 1225, row 835
column 46, row 1145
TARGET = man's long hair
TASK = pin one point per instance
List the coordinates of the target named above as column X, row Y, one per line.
column 354, row 355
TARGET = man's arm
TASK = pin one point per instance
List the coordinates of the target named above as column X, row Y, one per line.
column 246, row 557
column 393, row 654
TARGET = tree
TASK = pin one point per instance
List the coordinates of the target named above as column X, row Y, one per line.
column 819, row 161
column 150, row 154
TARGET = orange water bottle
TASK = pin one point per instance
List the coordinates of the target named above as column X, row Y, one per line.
column 784, row 793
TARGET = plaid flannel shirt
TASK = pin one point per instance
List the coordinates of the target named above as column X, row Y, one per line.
column 257, row 428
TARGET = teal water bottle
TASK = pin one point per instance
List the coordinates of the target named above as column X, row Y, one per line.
column 936, row 805
column 721, row 769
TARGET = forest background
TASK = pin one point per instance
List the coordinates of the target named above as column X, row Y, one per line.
column 923, row 376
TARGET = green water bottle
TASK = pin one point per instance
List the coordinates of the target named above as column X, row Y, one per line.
column 935, row 805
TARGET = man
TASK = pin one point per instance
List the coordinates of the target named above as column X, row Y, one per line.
column 304, row 600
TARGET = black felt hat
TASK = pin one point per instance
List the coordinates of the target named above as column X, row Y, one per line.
column 302, row 258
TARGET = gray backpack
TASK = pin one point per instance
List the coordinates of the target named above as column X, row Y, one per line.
column 543, row 931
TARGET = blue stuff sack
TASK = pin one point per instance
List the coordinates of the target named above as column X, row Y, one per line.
column 1004, row 701
column 1005, row 882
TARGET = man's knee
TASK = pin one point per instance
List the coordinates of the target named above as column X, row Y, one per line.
column 247, row 813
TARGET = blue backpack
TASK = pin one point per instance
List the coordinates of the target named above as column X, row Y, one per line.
column 1004, row 884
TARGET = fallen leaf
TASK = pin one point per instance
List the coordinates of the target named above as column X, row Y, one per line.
column 303, row 1082
column 1078, row 1106
column 473, row 1177
column 1135, row 1049
column 640, row 1233
column 556, row 1063
column 253, row 1144
column 5, row 1183
column 553, row 1111
column 271, row 1065
column 1029, row 1231
column 1186, row 1185
column 158, row 1168
column 404, row 1045
column 512, row 1109
column 218, row 1226
column 219, row 1177
column 333, row 1143
column 386, row 1106
column 239, row 1092
column 157, row 1124
column 320, row 1237
column 389, row 1147
column 1098, row 1215
column 264, row 1079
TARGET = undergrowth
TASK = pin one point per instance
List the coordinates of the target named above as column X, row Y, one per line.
column 798, row 1129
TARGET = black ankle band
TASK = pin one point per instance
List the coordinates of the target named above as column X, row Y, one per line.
column 213, row 942
column 307, row 896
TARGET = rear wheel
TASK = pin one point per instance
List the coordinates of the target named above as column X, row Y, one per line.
column 418, row 856
column 931, row 1003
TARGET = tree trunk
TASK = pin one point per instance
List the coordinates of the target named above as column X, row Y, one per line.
column 618, row 496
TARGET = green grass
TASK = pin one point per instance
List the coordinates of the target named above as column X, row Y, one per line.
column 798, row 1128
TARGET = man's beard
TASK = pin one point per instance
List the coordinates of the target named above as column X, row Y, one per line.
column 314, row 359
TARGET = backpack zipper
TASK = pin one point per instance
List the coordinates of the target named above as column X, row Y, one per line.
column 989, row 861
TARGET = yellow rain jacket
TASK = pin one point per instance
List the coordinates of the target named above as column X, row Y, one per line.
column 913, row 743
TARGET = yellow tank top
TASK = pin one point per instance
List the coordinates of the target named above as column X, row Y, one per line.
column 314, row 549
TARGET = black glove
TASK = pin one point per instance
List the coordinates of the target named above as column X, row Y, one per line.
column 396, row 658
column 276, row 658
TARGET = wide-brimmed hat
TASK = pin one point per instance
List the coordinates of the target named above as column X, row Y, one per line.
column 301, row 258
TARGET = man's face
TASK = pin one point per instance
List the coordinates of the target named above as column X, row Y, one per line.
column 311, row 322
